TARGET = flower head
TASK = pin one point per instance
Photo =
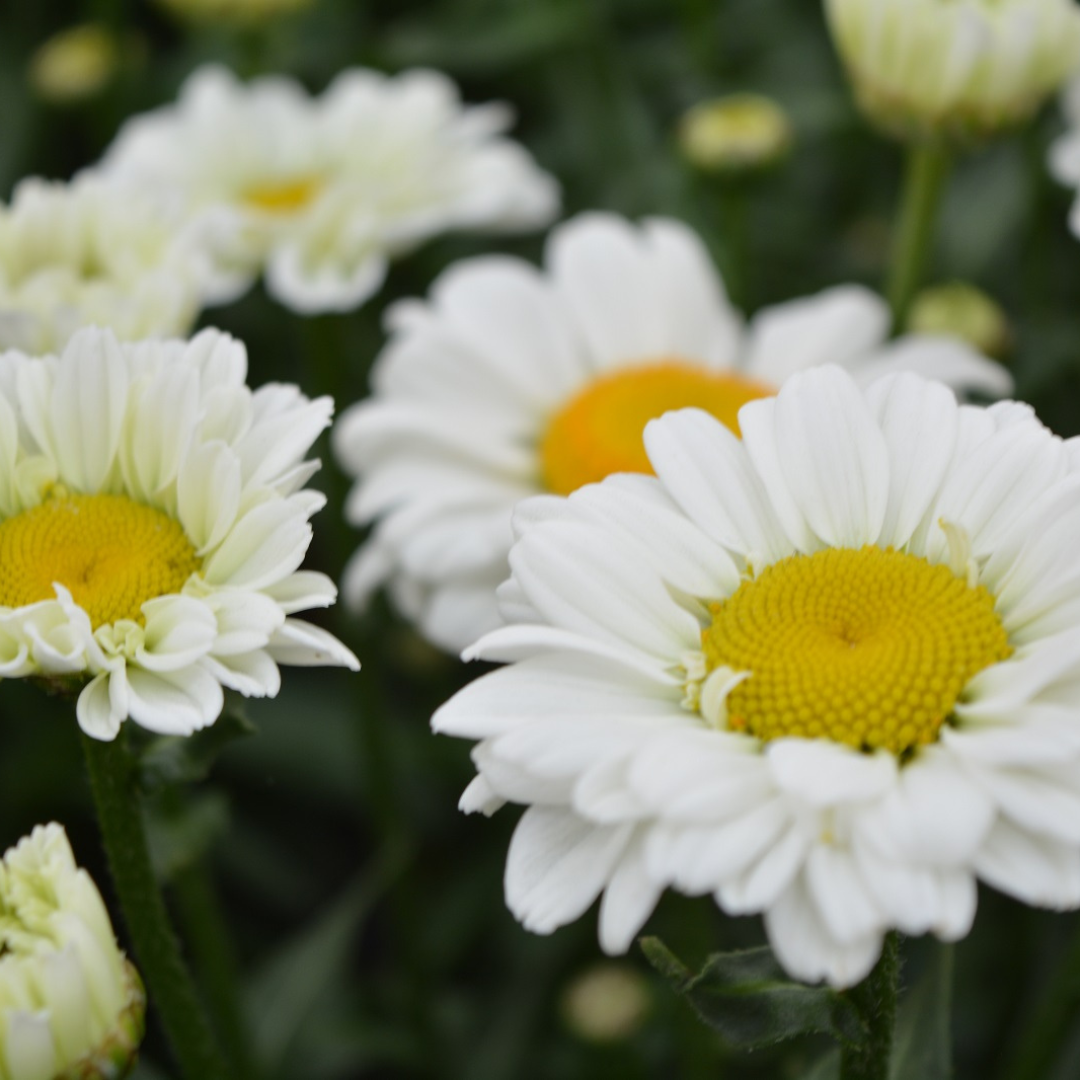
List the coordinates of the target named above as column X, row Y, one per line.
column 955, row 68
column 829, row 672
column 152, row 526
column 323, row 192
column 75, row 64
column 70, row 1004
column 510, row 382
column 88, row 252
column 735, row 134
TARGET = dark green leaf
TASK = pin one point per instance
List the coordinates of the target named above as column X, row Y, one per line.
column 747, row 998
column 922, row 1049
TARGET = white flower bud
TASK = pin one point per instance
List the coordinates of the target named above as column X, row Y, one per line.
column 955, row 68
column 75, row 64
column 71, row 1006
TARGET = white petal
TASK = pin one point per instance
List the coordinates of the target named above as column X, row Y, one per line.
column 1034, row 869
column 583, row 579
column 824, row 773
column 805, row 948
column 267, row 544
column 557, row 865
column 919, row 421
column 94, row 710
column 628, row 900
column 300, row 644
column 843, row 901
column 174, row 702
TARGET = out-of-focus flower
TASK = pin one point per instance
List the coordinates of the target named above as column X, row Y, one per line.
column 152, row 526
column 735, row 134
column 90, row 252
column 75, row 64
column 956, row 68
column 1065, row 153
column 960, row 310
column 323, row 192
column 606, row 1003
column 233, row 11
column 71, row 1006
column 510, row 382
column 829, row 673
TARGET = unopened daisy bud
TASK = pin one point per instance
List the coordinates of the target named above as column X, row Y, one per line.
column 233, row 11
column 961, row 311
column 606, row 1003
column 931, row 68
column 71, row 1006
column 75, row 64
column 734, row 134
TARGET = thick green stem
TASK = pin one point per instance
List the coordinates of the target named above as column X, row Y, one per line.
column 157, row 951
column 924, row 180
column 214, row 960
column 875, row 998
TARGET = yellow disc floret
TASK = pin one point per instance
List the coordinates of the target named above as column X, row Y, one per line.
column 600, row 431
column 112, row 554
column 286, row 197
column 868, row 647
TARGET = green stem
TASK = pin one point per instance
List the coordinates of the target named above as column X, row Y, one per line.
column 875, row 998
column 927, row 169
column 1048, row 1023
column 214, row 960
column 157, row 950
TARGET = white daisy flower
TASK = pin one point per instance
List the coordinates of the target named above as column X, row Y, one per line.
column 829, row 673
column 512, row 381
column 322, row 192
column 70, row 1003
column 152, row 527
column 90, row 252
column 955, row 67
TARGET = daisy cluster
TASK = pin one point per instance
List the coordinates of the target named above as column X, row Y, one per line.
column 786, row 617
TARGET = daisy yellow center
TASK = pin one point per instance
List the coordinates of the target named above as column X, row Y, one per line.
column 112, row 554
column 868, row 647
column 281, row 198
column 601, row 430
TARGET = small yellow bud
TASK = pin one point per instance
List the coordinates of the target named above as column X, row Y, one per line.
column 734, row 134
column 606, row 1003
column 960, row 310
column 75, row 64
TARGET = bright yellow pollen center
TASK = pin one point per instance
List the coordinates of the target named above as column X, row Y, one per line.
column 282, row 198
column 871, row 648
column 600, row 430
column 112, row 554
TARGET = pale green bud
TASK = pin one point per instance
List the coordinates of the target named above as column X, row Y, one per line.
column 955, row 69
column 735, row 134
column 606, row 1003
column 960, row 310
column 71, row 1006
column 75, row 64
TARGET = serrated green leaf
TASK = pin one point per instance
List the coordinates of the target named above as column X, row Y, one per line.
column 922, row 1049
column 747, row 998
column 186, row 759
